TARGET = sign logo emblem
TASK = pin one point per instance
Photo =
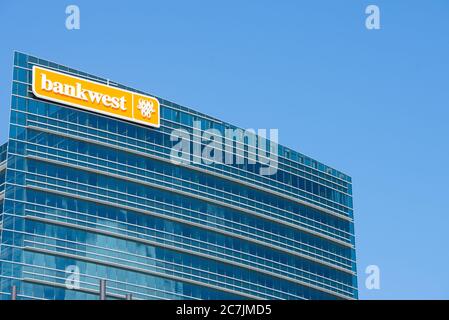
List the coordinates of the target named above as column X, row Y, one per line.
column 146, row 108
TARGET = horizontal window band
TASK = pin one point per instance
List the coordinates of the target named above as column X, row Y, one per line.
column 47, row 269
column 219, row 284
column 190, row 252
column 333, row 259
column 227, row 174
column 139, row 270
column 244, row 183
column 53, row 154
column 102, row 259
column 192, row 195
column 197, row 222
column 251, row 182
column 306, row 228
column 45, row 272
column 72, row 195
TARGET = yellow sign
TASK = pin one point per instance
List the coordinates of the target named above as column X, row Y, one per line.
column 94, row 96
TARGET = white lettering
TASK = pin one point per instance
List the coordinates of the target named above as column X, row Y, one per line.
column 46, row 84
column 78, row 92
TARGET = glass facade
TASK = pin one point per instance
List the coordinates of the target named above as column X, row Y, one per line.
column 82, row 189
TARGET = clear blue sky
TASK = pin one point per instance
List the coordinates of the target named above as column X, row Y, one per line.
column 374, row 104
